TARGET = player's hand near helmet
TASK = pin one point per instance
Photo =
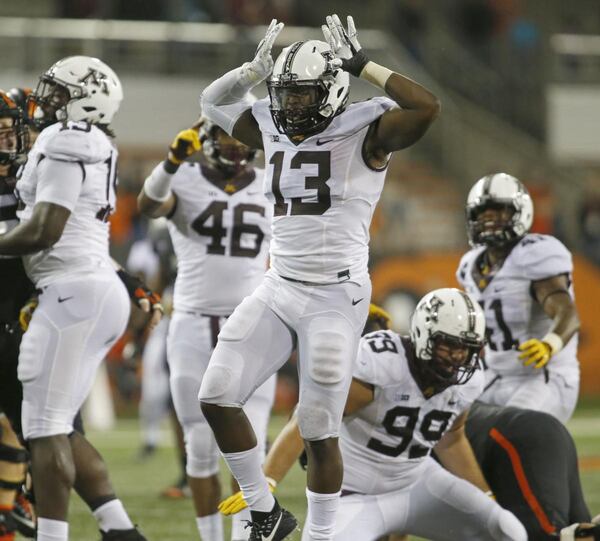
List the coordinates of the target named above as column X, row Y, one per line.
column 186, row 143
column 344, row 44
column 236, row 503
column 262, row 65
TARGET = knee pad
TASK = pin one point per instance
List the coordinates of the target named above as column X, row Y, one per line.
column 330, row 350
column 507, row 527
column 222, row 381
column 316, row 423
column 201, row 450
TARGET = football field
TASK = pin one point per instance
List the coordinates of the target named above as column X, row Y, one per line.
column 139, row 483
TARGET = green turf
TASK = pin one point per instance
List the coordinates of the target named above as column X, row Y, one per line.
column 139, row 483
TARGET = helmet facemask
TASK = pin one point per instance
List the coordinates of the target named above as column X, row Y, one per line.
column 299, row 107
column 449, row 360
column 14, row 140
column 493, row 231
column 51, row 98
column 223, row 152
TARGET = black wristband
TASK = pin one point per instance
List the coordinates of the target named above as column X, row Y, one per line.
column 356, row 64
column 170, row 167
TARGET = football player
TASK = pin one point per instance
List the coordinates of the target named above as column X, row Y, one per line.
column 67, row 193
column 409, row 396
column 523, row 282
column 541, row 488
column 220, row 225
column 15, row 290
column 326, row 164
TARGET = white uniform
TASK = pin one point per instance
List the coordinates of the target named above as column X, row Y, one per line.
column 221, row 240
column 317, row 293
column 83, row 307
column 514, row 316
column 391, row 484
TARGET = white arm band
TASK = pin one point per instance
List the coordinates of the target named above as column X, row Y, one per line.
column 568, row 533
column 158, row 185
column 225, row 99
column 554, row 341
column 376, row 74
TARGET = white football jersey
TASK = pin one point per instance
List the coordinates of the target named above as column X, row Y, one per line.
column 323, row 193
column 221, row 241
column 385, row 444
column 512, row 314
column 83, row 246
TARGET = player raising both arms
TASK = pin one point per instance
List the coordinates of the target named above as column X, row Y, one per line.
column 524, row 283
column 326, row 165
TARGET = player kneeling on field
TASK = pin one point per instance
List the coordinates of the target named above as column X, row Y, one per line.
column 409, row 396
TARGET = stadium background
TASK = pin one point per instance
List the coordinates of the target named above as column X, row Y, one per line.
column 519, row 82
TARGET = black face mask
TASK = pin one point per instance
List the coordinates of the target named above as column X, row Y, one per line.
column 500, row 232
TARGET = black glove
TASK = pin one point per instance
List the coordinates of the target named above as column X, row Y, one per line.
column 139, row 291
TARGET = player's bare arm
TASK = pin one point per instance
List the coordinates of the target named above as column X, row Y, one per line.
column 397, row 128
column 557, row 303
column 226, row 101
column 156, row 198
column 456, row 455
column 42, row 231
column 554, row 298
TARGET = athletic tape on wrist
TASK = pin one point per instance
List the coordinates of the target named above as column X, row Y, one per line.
column 158, row 185
column 376, row 74
column 554, row 341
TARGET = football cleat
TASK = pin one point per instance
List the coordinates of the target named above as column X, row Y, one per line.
column 122, row 535
column 276, row 526
column 7, row 526
column 24, row 516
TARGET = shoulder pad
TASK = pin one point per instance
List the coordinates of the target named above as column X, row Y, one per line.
column 379, row 356
column 542, row 256
column 76, row 142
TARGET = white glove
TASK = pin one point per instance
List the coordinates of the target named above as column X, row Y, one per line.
column 344, row 44
column 261, row 67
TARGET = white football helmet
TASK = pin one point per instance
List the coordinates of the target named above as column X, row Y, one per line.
column 78, row 88
column 306, row 91
column 450, row 317
column 498, row 191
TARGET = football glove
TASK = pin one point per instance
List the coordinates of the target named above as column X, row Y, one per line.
column 236, row 503
column 186, row 143
column 261, row 66
column 344, row 44
column 535, row 352
column 140, row 293
column 26, row 313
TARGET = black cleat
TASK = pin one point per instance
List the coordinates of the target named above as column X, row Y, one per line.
column 122, row 535
column 276, row 525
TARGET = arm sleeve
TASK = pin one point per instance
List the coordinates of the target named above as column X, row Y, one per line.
column 364, row 365
column 59, row 182
column 225, row 99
